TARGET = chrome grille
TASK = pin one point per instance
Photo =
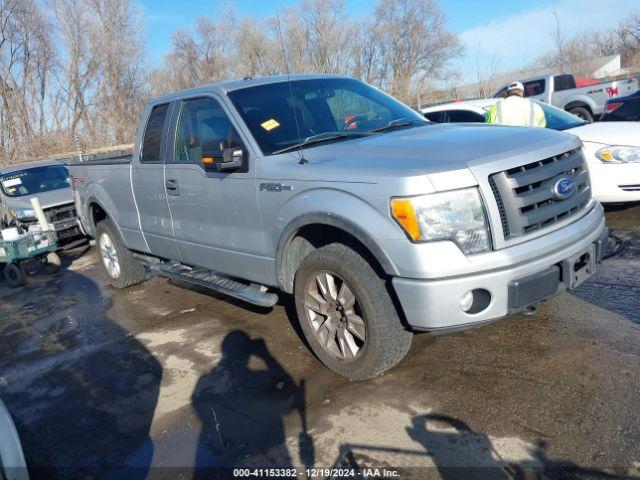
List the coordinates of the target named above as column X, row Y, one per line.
column 525, row 194
column 62, row 212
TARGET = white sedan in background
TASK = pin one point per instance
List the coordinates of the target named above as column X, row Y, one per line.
column 612, row 149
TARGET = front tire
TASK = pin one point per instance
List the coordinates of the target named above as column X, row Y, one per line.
column 123, row 269
column 347, row 314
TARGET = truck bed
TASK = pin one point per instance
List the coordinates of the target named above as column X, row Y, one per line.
column 92, row 180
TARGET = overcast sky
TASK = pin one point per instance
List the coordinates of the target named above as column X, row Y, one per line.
column 515, row 32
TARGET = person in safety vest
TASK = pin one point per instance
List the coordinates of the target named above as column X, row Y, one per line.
column 516, row 110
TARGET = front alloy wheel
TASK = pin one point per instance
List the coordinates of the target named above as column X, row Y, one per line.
column 346, row 313
column 335, row 316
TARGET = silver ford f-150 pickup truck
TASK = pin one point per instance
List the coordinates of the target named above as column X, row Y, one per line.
column 378, row 222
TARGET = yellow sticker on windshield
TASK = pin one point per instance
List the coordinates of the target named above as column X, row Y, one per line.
column 270, row 124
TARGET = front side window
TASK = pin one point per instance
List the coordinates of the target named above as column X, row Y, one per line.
column 152, row 141
column 35, row 180
column 280, row 115
column 203, row 131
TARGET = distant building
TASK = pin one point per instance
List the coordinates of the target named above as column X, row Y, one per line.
column 602, row 67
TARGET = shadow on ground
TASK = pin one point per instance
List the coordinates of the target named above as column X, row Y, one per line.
column 460, row 453
column 82, row 389
column 242, row 409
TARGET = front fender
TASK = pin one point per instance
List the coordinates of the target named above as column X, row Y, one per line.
column 339, row 209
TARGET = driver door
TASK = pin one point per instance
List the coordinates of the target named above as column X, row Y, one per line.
column 215, row 213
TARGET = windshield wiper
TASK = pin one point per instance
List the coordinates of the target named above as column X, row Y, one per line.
column 397, row 123
column 322, row 137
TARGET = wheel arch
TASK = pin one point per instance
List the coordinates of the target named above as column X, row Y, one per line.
column 310, row 231
column 579, row 104
column 97, row 212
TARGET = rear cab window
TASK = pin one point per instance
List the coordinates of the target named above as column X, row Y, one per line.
column 563, row 82
column 152, row 140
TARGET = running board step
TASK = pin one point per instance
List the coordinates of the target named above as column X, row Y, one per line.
column 249, row 292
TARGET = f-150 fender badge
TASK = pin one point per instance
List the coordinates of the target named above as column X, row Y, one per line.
column 274, row 187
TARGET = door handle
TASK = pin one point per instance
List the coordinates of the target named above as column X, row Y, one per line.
column 172, row 187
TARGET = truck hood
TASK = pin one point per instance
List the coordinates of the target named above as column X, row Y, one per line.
column 609, row 133
column 435, row 148
column 48, row 199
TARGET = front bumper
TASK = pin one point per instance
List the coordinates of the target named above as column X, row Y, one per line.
column 435, row 304
column 615, row 182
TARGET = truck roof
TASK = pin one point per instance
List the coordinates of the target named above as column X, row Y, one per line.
column 230, row 85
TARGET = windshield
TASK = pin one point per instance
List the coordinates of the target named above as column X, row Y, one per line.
column 320, row 106
column 36, row 180
column 558, row 119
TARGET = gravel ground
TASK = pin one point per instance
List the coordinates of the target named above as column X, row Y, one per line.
column 163, row 381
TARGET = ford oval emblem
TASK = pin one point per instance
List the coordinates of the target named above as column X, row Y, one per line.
column 564, row 188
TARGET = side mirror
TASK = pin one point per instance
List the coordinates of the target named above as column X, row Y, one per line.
column 231, row 159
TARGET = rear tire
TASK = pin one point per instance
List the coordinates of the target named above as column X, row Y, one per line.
column 15, row 275
column 582, row 112
column 360, row 334
column 123, row 269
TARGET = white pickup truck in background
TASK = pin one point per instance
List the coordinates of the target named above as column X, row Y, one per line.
column 561, row 91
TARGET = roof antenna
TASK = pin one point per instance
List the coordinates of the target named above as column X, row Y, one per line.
column 302, row 160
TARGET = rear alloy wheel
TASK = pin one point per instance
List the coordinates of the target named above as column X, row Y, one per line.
column 347, row 314
column 109, row 256
column 120, row 264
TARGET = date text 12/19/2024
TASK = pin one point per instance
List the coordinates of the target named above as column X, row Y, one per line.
column 315, row 473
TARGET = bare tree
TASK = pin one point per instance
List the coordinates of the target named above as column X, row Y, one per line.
column 257, row 52
column 414, row 45
column 26, row 62
column 486, row 76
column 79, row 64
column 75, row 68
column 117, row 46
column 326, row 31
column 572, row 55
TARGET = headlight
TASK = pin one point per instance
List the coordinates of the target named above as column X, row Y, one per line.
column 458, row 216
column 619, row 154
column 22, row 213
